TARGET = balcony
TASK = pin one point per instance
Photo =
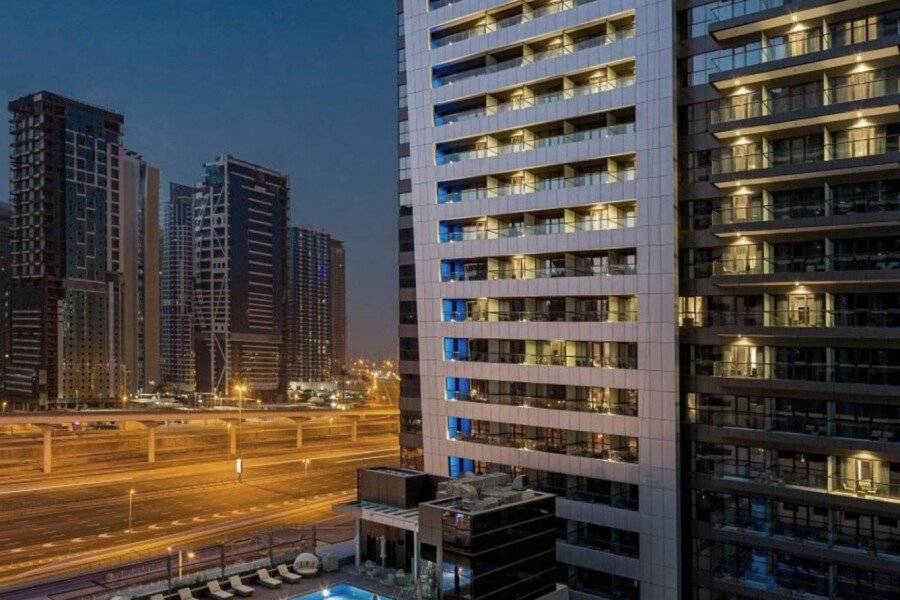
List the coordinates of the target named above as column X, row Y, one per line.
column 605, row 217
column 544, row 316
column 751, row 106
column 806, row 264
column 596, row 133
column 822, row 373
column 587, row 405
column 616, row 171
column 542, row 359
column 748, row 158
column 489, row 24
column 883, row 426
column 521, row 101
column 527, row 57
column 502, row 273
column 814, row 477
column 793, row 318
column 870, row 37
column 850, row 204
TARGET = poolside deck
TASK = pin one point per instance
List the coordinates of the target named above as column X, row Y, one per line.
column 323, row 580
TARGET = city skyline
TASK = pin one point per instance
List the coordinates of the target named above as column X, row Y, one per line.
column 163, row 67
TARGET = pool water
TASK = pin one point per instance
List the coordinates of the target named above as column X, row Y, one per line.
column 341, row 591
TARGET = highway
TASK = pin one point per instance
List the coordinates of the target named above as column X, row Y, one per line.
column 52, row 526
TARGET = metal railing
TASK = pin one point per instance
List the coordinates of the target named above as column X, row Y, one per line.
column 509, row 440
column 479, row 30
column 536, row 100
column 562, row 50
column 751, row 105
column 866, row 317
column 555, row 360
column 596, row 133
column 522, row 230
column 515, row 189
column 544, row 316
column 825, row 373
column 485, row 274
column 799, row 44
column 740, row 8
column 530, row 401
column 822, row 425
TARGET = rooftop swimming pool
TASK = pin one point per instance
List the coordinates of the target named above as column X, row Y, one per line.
column 342, row 591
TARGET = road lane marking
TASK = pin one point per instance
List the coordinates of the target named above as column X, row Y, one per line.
column 389, row 455
column 46, row 487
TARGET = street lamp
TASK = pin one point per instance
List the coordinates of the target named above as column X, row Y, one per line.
column 131, row 494
column 240, row 388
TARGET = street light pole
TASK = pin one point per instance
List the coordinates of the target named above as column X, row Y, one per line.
column 240, row 388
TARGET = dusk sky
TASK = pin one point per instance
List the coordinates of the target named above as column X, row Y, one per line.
column 307, row 88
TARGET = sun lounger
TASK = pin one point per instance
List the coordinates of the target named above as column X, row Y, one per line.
column 185, row 594
column 238, row 586
column 215, row 590
column 287, row 575
column 267, row 580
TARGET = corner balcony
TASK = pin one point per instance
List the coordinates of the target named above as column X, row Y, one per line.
column 492, row 22
column 806, row 157
column 529, row 54
column 805, row 48
column 529, row 96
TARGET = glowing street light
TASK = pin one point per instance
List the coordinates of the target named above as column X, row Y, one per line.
column 241, row 389
column 131, row 494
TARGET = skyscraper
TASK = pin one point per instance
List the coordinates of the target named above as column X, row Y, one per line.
column 4, row 289
column 139, row 267
column 66, row 307
column 177, row 291
column 789, row 138
column 542, row 183
column 338, row 302
column 240, row 260
column 309, row 314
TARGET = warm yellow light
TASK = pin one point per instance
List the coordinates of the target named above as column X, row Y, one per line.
column 131, row 492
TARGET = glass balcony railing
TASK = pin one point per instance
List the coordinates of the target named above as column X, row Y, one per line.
column 553, row 446
column 511, row 63
column 741, row 107
column 754, row 159
column 555, row 183
column 480, row 30
column 874, row 429
column 582, row 405
column 553, row 360
column 844, row 205
column 485, row 274
column 866, row 374
column 522, row 230
column 536, row 100
column 861, row 261
column 788, row 476
column 596, row 133
column 794, row 318
column 544, row 316
column 801, row 44
column 740, row 8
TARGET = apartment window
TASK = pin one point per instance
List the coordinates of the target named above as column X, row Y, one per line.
column 401, row 95
column 405, row 236
column 401, row 60
column 403, row 132
column 404, row 170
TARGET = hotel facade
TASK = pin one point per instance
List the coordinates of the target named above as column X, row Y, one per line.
column 654, row 252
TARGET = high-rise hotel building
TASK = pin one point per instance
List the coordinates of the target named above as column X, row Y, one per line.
column 789, row 307
column 240, row 273
column 177, row 291
column 542, row 203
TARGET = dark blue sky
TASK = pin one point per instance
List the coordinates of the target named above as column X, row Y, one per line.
column 303, row 86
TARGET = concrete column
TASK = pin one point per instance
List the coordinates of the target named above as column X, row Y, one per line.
column 415, row 559
column 358, row 541
column 48, row 448
column 151, row 439
column 354, row 434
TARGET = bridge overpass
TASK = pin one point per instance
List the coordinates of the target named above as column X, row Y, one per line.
column 232, row 417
